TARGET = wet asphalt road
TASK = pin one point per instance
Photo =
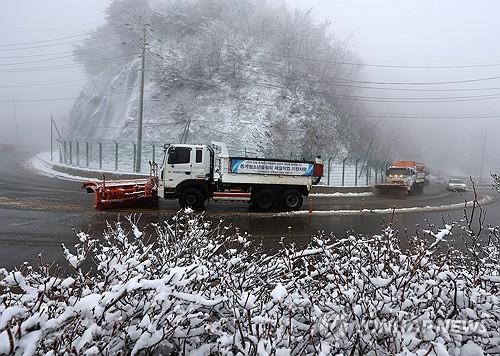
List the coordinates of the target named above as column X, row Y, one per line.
column 38, row 213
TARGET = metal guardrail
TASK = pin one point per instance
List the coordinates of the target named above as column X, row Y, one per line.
column 353, row 172
column 116, row 155
column 110, row 155
column 121, row 156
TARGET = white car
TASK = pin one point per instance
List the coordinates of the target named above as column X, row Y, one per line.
column 456, row 185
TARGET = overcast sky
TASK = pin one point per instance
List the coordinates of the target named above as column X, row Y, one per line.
column 383, row 32
column 429, row 33
column 25, row 21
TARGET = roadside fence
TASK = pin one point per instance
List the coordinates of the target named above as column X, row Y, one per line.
column 121, row 156
column 350, row 172
column 106, row 155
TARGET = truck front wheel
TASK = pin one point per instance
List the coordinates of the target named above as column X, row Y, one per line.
column 192, row 198
column 264, row 199
column 292, row 200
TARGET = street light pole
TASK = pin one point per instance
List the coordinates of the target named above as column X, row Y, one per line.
column 141, row 104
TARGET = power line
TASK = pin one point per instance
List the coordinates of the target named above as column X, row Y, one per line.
column 382, row 99
column 406, row 116
column 42, row 41
column 35, row 61
column 64, row 66
column 46, row 54
column 41, row 84
column 343, row 81
column 62, row 99
column 46, row 45
column 329, row 61
column 346, row 62
column 40, row 46
column 347, row 80
column 37, row 100
column 72, row 52
column 341, row 84
column 419, row 83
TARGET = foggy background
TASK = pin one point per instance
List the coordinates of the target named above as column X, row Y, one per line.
column 446, row 128
column 36, row 93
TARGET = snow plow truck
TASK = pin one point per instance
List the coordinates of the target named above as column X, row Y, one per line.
column 193, row 174
column 405, row 176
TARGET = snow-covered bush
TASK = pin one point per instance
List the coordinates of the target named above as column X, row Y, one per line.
column 496, row 182
column 191, row 287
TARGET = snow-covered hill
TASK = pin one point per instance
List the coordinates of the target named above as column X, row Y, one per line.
column 245, row 72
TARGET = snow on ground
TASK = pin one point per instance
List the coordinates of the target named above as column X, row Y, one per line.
column 340, row 195
column 41, row 164
column 483, row 201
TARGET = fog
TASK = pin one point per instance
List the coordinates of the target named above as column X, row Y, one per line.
column 36, row 93
column 429, row 33
column 450, row 40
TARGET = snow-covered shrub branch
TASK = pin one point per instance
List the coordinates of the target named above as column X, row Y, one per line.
column 496, row 182
column 188, row 286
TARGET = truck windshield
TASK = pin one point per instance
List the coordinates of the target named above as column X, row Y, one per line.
column 398, row 172
column 179, row 155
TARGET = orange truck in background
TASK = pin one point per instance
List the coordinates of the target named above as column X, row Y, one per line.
column 409, row 176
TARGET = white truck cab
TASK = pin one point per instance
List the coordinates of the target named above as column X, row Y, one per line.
column 184, row 162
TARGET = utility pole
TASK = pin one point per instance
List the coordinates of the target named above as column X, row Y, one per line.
column 141, row 104
column 485, row 140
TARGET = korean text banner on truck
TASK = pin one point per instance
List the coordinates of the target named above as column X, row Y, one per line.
column 249, row 166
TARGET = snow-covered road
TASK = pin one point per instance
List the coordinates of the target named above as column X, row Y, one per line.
column 37, row 213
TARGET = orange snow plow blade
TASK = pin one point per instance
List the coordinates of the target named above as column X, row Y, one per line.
column 391, row 187
column 122, row 193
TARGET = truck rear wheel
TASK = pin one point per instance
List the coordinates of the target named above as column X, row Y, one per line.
column 192, row 198
column 264, row 199
column 416, row 188
column 292, row 200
